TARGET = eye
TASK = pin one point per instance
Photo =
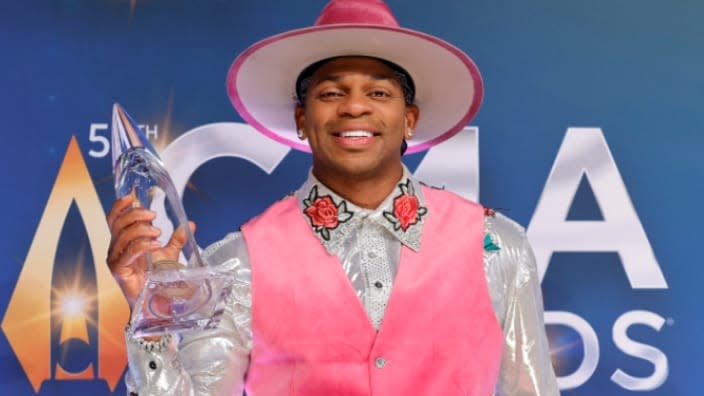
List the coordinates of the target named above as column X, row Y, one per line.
column 379, row 93
column 329, row 94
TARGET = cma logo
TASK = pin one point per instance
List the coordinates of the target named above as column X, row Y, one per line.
column 38, row 299
column 584, row 153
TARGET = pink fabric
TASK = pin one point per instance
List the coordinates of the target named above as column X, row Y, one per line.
column 312, row 335
column 374, row 12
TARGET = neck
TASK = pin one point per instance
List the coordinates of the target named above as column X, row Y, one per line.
column 365, row 192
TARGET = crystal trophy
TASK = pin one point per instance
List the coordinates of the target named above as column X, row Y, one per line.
column 176, row 296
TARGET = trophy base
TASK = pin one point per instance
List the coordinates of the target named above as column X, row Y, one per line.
column 178, row 299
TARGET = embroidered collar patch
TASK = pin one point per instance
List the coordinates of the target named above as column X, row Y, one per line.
column 406, row 208
column 332, row 218
column 324, row 214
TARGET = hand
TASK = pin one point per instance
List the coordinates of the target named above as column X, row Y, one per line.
column 132, row 235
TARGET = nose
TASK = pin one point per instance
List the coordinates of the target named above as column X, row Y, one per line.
column 354, row 104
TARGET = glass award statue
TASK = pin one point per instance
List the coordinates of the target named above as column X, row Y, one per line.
column 176, row 296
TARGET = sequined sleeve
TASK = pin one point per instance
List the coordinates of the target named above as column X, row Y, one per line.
column 526, row 369
column 210, row 362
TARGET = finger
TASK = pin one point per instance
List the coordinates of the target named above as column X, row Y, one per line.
column 123, row 264
column 119, row 206
column 180, row 236
column 134, row 232
column 178, row 239
column 130, row 217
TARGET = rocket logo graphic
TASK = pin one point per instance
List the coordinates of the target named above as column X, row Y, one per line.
column 27, row 323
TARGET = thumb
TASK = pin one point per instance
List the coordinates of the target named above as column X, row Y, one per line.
column 179, row 239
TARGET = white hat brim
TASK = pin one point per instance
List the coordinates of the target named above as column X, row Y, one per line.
column 261, row 81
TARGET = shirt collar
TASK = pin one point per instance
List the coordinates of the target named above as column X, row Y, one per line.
column 332, row 217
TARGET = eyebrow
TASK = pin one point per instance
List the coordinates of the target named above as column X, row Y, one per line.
column 337, row 77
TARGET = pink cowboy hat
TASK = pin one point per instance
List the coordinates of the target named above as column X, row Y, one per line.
column 261, row 82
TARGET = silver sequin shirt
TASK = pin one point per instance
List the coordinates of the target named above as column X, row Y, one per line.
column 214, row 362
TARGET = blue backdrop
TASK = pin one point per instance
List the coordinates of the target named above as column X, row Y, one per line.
column 590, row 126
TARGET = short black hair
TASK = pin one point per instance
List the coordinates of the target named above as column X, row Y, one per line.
column 402, row 76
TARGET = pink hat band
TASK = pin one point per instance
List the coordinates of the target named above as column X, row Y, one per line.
column 374, row 12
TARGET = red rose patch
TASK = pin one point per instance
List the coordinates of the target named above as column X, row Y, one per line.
column 324, row 214
column 407, row 210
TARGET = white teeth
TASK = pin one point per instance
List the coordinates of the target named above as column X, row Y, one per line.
column 348, row 134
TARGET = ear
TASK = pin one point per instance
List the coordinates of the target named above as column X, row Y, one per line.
column 412, row 115
column 299, row 115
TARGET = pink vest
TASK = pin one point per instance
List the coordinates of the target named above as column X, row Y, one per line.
column 312, row 336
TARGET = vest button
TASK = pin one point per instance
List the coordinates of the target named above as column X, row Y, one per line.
column 378, row 284
column 380, row 362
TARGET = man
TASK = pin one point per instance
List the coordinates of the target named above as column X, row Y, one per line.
column 364, row 281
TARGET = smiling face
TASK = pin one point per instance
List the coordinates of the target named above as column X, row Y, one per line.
column 355, row 118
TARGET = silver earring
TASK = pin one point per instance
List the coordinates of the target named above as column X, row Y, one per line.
column 410, row 133
column 300, row 133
